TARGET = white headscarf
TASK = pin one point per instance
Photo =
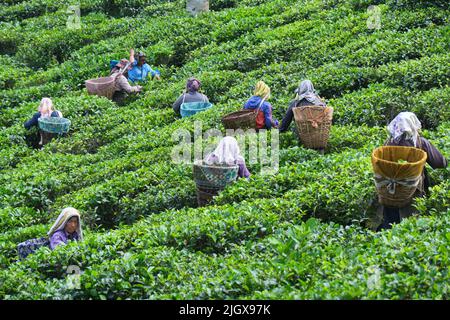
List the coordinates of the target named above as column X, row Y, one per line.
column 46, row 108
column 226, row 152
column 306, row 91
column 61, row 222
column 405, row 125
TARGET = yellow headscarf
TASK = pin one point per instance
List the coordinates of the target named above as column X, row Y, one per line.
column 262, row 90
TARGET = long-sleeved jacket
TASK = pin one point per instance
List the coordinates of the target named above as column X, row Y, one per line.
column 266, row 109
column 188, row 97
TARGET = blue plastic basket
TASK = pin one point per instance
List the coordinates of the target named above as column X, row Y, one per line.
column 54, row 124
column 188, row 109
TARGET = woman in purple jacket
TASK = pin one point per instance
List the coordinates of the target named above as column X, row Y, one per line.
column 227, row 152
column 67, row 227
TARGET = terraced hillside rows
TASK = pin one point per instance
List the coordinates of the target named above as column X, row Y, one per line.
column 305, row 232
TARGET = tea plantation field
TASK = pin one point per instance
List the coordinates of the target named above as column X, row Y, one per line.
column 305, row 232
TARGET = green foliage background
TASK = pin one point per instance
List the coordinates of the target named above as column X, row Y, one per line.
column 304, row 233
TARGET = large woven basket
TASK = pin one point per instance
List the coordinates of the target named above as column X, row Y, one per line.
column 242, row 119
column 214, row 176
column 54, row 125
column 396, row 183
column 313, row 124
column 188, row 109
column 103, row 87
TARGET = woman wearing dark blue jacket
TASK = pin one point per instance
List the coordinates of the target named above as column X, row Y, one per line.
column 45, row 110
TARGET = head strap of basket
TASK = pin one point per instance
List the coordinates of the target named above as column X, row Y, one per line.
column 306, row 91
column 46, row 107
column 405, row 126
column 193, row 85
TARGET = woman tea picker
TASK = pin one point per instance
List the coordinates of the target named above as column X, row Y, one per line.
column 121, row 86
column 191, row 94
column 45, row 110
column 404, row 130
column 141, row 69
column 67, row 227
column 258, row 101
column 305, row 96
column 227, row 152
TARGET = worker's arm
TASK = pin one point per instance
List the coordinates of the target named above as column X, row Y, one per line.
column 131, row 56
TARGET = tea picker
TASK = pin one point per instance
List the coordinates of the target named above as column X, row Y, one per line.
column 399, row 168
column 50, row 122
column 191, row 101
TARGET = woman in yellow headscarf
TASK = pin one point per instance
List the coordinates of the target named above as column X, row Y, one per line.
column 259, row 101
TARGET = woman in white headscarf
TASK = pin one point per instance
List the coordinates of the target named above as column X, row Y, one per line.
column 404, row 130
column 45, row 110
column 228, row 152
column 305, row 95
column 66, row 227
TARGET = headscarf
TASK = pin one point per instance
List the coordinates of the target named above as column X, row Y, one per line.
column 306, row 91
column 405, row 125
column 62, row 220
column 46, row 107
column 120, row 65
column 193, row 85
column 262, row 90
column 227, row 152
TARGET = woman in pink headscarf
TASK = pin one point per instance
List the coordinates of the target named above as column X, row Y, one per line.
column 228, row 152
column 45, row 110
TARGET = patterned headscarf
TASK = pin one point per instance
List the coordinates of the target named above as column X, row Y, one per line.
column 405, row 126
column 226, row 152
column 306, row 91
column 46, row 107
column 193, row 85
column 262, row 90
column 62, row 220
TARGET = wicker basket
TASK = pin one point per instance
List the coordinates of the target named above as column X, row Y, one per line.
column 313, row 124
column 54, row 125
column 103, row 87
column 214, row 176
column 205, row 195
column 242, row 119
column 188, row 109
column 397, row 183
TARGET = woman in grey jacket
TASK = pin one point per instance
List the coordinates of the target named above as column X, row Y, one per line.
column 191, row 94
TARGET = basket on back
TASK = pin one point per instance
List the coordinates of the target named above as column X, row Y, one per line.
column 188, row 109
column 242, row 119
column 313, row 124
column 398, row 174
column 102, row 87
column 56, row 125
column 210, row 179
